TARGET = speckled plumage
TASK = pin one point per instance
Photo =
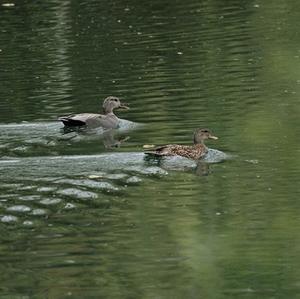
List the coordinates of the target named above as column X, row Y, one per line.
column 195, row 152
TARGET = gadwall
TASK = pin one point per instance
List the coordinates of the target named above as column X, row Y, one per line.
column 107, row 120
column 196, row 151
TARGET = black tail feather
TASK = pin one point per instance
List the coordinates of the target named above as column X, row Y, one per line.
column 154, row 153
column 69, row 122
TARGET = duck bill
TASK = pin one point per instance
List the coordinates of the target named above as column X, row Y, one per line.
column 213, row 137
column 124, row 106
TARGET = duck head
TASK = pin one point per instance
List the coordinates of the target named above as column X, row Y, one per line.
column 202, row 134
column 111, row 103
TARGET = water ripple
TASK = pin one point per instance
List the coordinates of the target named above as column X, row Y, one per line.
column 77, row 193
column 19, row 208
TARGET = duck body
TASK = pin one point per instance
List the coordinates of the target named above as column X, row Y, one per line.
column 195, row 152
column 92, row 120
column 107, row 120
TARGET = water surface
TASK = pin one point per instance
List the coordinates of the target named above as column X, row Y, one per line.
column 85, row 214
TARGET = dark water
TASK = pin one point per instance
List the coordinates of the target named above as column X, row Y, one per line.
column 80, row 219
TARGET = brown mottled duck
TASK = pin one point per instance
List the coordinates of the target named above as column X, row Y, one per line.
column 107, row 120
column 195, row 152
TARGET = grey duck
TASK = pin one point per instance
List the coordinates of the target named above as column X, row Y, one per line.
column 107, row 120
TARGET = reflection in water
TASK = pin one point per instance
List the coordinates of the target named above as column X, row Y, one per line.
column 110, row 137
column 110, row 141
column 202, row 168
column 49, row 138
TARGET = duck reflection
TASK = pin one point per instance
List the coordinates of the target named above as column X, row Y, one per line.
column 201, row 168
column 110, row 137
column 111, row 141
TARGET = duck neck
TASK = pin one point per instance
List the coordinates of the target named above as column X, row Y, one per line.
column 109, row 111
column 198, row 141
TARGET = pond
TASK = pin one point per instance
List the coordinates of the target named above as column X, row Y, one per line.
column 83, row 218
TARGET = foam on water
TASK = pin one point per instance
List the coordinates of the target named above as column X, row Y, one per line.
column 61, row 180
column 88, row 164
column 24, row 138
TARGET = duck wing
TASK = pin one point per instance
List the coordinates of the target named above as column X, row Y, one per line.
column 82, row 119
column 191, row 152
column 165, row 150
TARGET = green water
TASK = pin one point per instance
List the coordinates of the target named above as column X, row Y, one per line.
column 79, row 219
